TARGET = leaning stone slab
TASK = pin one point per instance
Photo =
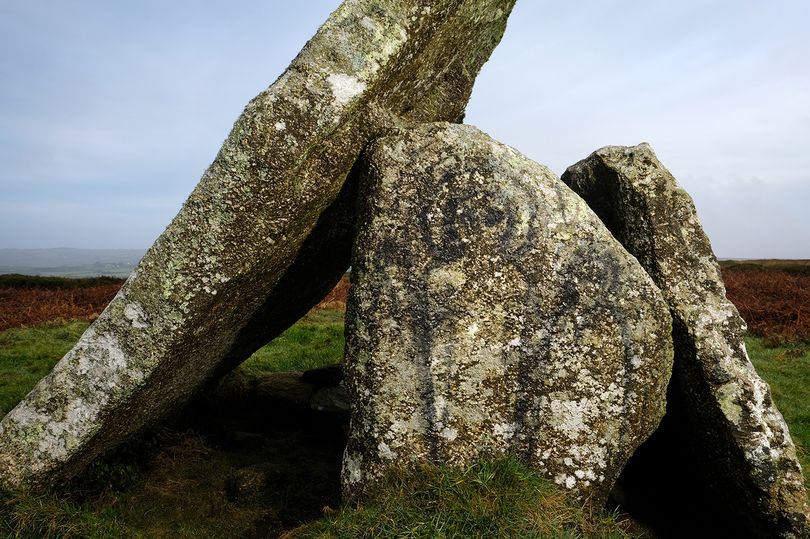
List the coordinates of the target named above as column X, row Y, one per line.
column 265, row 234
column 732, row 420
column 491, row 312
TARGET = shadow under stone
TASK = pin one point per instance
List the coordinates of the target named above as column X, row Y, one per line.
column 668, row 484
column 252, row 453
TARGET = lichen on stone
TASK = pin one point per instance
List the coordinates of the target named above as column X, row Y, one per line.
column 265, row 234
column 492, row 312
column 731, row 418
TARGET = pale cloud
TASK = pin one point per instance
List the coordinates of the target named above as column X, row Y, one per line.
column 720, row 89
column 110, row 112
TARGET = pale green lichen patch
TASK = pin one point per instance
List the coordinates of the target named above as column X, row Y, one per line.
column 492, row 312
column 134, row 313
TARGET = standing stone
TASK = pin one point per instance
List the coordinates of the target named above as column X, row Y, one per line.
column 492, row 312
column 265, row 234
column 732, row 419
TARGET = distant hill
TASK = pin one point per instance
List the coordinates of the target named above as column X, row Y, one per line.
column 69, row 262
column 793, row 266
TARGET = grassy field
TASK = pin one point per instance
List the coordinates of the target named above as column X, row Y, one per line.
column 314, row 342
column 255, row 483
column 181, row 489
column 257, row 470
column 28, row 354
column 186, row 483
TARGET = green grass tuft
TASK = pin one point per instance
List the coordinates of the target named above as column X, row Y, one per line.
column 47, row 516
column 492, row 499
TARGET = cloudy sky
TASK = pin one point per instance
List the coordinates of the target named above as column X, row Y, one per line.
column 110, row 111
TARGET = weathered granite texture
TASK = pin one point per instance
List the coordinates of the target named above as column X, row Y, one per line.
column 732, row 419
column 492, row 312
column 265, row 234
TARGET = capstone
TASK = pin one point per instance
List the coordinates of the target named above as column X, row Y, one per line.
column 265, row 234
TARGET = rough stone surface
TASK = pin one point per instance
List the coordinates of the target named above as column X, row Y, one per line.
column 334, row 400
column 492, row 312
column 732, row 419
column 265, row 234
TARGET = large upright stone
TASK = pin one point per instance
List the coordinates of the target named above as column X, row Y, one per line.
column 733, row 422
column 492, row 312
column 266, row 233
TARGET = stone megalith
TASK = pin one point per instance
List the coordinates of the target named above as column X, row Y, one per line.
column 491, row 312
column 265, row 234
column 731, row 420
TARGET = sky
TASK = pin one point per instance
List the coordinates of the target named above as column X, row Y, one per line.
column 111, row 111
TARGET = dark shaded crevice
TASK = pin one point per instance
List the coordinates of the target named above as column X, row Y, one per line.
column 670, row 483
column 540, row 358
column 526, row 386
column 447, row 249
column 601, row 189
column 423, row 331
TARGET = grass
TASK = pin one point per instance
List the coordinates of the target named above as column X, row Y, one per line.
column 28, row 354
column 494, row 499
column 245, row 485
column 48, row 516
column 196, row 488
column 192, row 486
column 315, row 341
